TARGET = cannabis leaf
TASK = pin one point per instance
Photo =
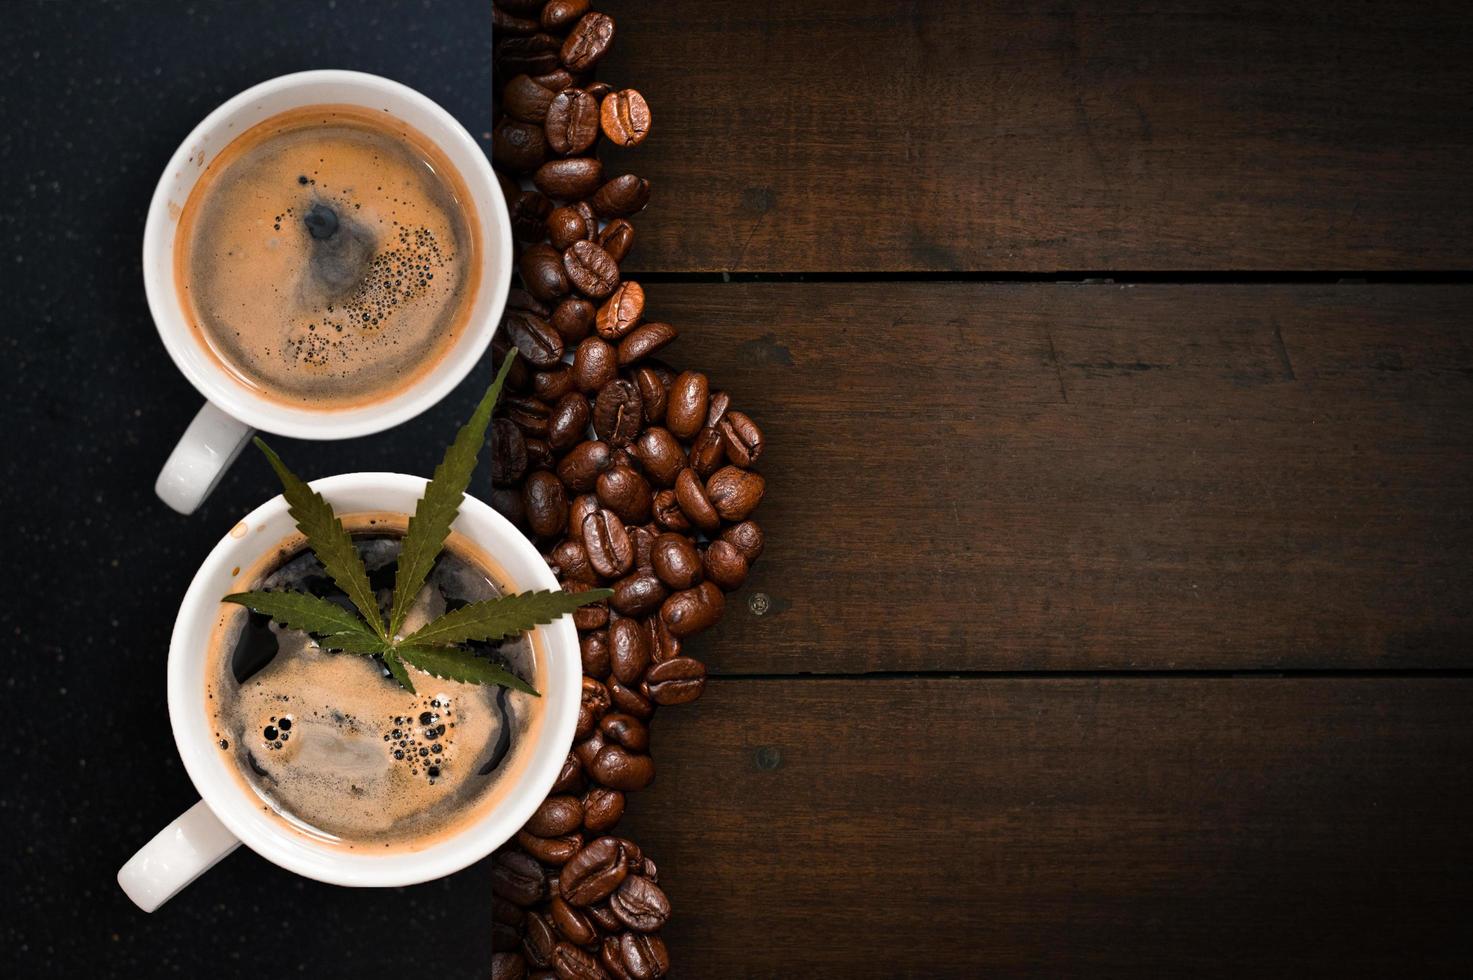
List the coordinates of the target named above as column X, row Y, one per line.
column 430, row 525
column 396, row 667
column 300, row 611
column 461, row 665
column 332, row 545
column 495, row 619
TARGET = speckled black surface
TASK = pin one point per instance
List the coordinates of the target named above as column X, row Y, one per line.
column 95, row 97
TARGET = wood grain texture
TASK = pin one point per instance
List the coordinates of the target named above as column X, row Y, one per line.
column 872, row 135
column 1005, row 827
column 1051, row 477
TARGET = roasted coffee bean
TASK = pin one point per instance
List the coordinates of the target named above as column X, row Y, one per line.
column 643, row 538
column 583, row 505
column 707, row 452
column 557, row 79
column 725, row 565
column 629, row 653
column 693, row 610
column 565, row 226
column 742, row 439
column 626, row 730
column 716, row 409
column 643, row 341
column 618, row 768
column 640, row 904
column 570, row 777
column 508, row 966
column 593, row 616
column 686, row 411
column 504, row 23
column 520, row 299
column 676, row 561
column 572, row 125
column 518, row 878
column 621, row 197
column 568, row 424
column 529, row 211
column 608, row 546
column 621, row 312
column 625, row 117
column 734, row 492
column 574, row 924
column 535, row 340
column 519, row 147
column 507, row 501
column 667, row 512
column 652, row 393
column 594, row 364
column 545, row 501
column 617, row 412
column 573, row 319
column 626, row 493
column 552, row 384
column 588, row 749
column 568, row 179
column 538, row 939
column 528, row 414
column 593, row 650
column 588, row 42
column 531, row 55
column 550, row 850
column 508, row 912
column 659, row 454
column 747, row 537
column 574, row 963
column 593, row 705
column 676, row 681
column 638, row 595
column 602, row 808
column 541, row 269
column 591, row 269
column 569, row 560
column 539, row 455
column 617, row 238
column 580, row 468
column 604, row 917
column 508, row 453
column 611, row 954
column 663, row 646
column 524, row 99
column 555, row 816
column 691, row 495
column 525, row 8
column 558, row 14
column 645, row 955
column 630, row 701
column 594, row 872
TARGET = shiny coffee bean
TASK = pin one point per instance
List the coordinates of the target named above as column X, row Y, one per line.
column 663, row 646
column 707, row 452
column 747, row 537
column 643, row 538
column 611, row 954
column 573, row 319
column 629, row 700
column 573, row 963
column 541, row 269
column 588, row 749
column 550, row 850
column 539, row 455
column 568, row 424
column 569, row 560
column 573, row 924
column 595, row 364
column 539, row 939
column 604, row 917
column 725, row 565
column 667, row 512
column 602, row 808
column 695, row 609
column 652, row 393
column 626, row 493
column 507, row 501
column 571, row 124
column 520, row 299
column 686, row 411
column 588, row 42
column 524, row 99
column 532, row 55
column 626, row 730
column 621, row 197
column 742, row 439
column 529, row 212
column 617, row 238
column 691, row 495
column 565, row 226
column 535, row 340
column 629, row 653
column 659, row 454
column 716, row 408
column 555, row 816
column 504, row 23
column 545, row 502
column 570, row 777
column 580, row 468
column 638, row 594
column 552, row 384
column 595, row 615
column 593, row 650
column 644, row 340
column 519, row 147
column 557, row 79
column 625, row 117
column 592, row 706
column 675, row 560
column 591, row 269
column 618, row 768
column 621, row 312
column 583, row 505
column 645, row 955
column 594, row 872
column 617, row 412
column 508, row 966
column 676, row 681
column 569, row 179
column 608, row 546
column 518, row 878
column 640, row 904
column 528, row 414
column 734, row 492
column 558, row 14
column 508, row 453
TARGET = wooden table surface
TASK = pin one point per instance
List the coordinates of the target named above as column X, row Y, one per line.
column 1117, row 364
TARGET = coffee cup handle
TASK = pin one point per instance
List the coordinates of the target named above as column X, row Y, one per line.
column 194, row 843
column 208, row 447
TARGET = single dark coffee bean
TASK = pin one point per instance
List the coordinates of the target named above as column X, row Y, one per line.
column 535, row 340
column 660, row 455
column 541, row 269
column 583, row 505
column 626, row 730
column 508, row 453
column 572, row 319
column 545, row 501
column 571, row 124
column 524, row 99
column 725, row 565
column 625, row 117
column 652, row 393
column 594, row 615
column 518, row 878
column 504, row 24
column 508, row 966
column 611, row 954
column 529, row 212
column 568, row 559
column 528, row 414
column 558, row 14
column 552, row 384
column 693, row 610
column 565, row 225
column 643, row 537
column 716, row 408
column 645, row 955
column 638, row 595
column 593, row 705
column 643, row 341
column 621, row 197
column 569, row 179
column 594, row 872
column 570, row 777
column 640, row 904
column 743, row 440
column 676, row 681
column 621, row 312
column 591, row 269
column 588, row 749
column 667, row 512
column 574, row 963
column 618, row 768
column 747, row 537
column 531, row 55
column 568, row 424
column 593, row 650
column 686, row 411
column 629, row 700
column 557, row 79
column 676, row 561
column 573, row 924
column 602, row 808
column 707, row 452
column 604, row 918
column 538, row 939
column 629, row 652
column 663, row 646
column 734, row 492
column 555, row 816
column 617, row 412
column 507, row 501
column 608, row 546
column 588, row 41
column 520, row 299
column 550, row 850
column 594, row 364
column 580, row 468
column 626, row 493
column 519, row 147
column 617, row 238
column 694, row 504
column 539, row 455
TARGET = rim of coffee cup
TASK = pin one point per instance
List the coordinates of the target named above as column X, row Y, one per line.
column 262, row 101
column 244, row 814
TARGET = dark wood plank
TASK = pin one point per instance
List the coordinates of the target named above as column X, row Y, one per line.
column 1080, row 477
column 1008, row 827
column 882, row 136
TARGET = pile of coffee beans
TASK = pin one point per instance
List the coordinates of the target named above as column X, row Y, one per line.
column 627, row 473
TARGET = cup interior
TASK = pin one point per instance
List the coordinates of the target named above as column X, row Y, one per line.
column 240, row 811
column 255, row 105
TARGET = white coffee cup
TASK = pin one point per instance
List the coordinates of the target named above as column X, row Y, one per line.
column 232, row 411
column 229, row 814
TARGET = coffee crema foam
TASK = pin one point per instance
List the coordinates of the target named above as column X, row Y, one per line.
column 328, row 257
column 332, row 745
